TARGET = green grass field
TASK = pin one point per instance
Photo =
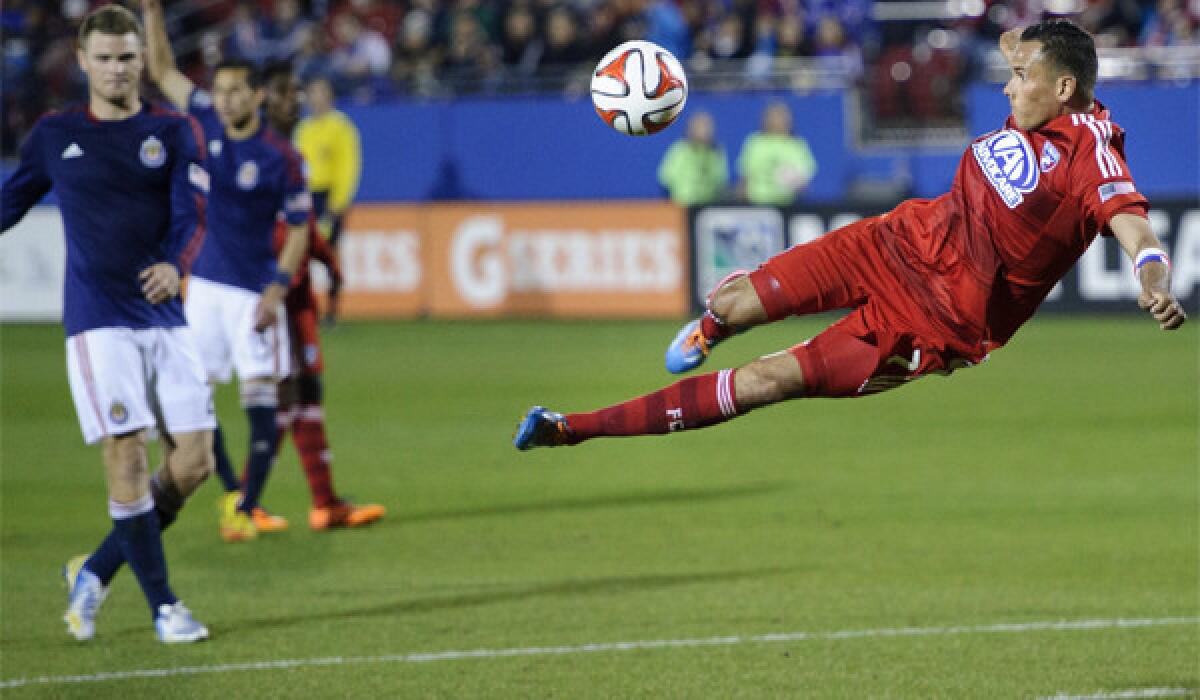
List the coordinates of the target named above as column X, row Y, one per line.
column 1058, row 482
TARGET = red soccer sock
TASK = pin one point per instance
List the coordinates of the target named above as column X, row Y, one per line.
column 308, row 432
column 695, row 402
column 713, row 328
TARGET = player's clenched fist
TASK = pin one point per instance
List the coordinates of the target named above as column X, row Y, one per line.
column 1164, row 308
column 1008, row 41
column 159, row 282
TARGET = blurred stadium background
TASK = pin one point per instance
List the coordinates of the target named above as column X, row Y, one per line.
column 493, row 202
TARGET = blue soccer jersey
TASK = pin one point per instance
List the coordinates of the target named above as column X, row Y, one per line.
column 132, row 194
column 254, row 180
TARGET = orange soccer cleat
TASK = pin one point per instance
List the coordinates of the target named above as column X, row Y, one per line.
column 343, row 514
column 265, row 522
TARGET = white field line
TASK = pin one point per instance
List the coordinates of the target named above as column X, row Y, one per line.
column 1131, row 693
column 426, row 657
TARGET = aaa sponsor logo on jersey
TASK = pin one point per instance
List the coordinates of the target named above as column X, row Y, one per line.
column 1009, row 163
column 1050, row 157
column 247, row 175
column 153, row 154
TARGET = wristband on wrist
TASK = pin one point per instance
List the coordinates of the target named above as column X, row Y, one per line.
column 1147, row 255
column 282, row 277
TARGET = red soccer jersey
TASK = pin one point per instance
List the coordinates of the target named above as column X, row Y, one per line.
column 300, row 296
column 1024, row 206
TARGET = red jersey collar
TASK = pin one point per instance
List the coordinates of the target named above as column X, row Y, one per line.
column 1099, row 111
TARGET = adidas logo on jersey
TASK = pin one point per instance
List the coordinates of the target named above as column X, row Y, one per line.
column 72, row 151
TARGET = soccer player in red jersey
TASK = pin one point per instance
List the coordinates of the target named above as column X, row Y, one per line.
column 300, row 398
column 934, row 285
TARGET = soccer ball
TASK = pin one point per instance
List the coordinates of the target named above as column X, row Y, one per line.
column 639, row 88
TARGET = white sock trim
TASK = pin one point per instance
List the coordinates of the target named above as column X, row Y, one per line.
column 725, row 393
column 123, row 511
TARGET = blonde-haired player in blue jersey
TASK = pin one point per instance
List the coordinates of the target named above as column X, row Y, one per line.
column 131, row 183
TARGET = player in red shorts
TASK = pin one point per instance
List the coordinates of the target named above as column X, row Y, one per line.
column 934, row 285
column 300, row 395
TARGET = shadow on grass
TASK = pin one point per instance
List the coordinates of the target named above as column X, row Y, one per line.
column 619, row 500
column 560, row 589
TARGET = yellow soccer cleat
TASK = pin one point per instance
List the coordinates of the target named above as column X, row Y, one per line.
column 265, row 522
column 342, row 514
column 235, row 526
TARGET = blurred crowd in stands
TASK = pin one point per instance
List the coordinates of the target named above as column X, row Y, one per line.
column 376, row 49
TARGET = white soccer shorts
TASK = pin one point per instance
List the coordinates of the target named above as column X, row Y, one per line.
column 124, row 380
column 222, row 319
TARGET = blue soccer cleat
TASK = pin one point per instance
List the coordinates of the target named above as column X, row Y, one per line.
column 175, row 624
column 541, row 428
column 688, row 350
column 85, row 593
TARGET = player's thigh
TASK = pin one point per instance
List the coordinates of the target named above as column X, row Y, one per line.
column 207, row 309
column 258, row 355
column 179, row 388
column 108, row 383
column 868, row 352
column 839, row 361
column 831, row 272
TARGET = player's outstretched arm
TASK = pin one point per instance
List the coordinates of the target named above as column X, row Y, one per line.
column 1152, row 267
column 25, row 187
column 160, row 61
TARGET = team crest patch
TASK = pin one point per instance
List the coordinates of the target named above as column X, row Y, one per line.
column 1050, row 157
column 153, row 154
column 214, row 147
column 118, row 413
column 1009, row 163
column 247, row 175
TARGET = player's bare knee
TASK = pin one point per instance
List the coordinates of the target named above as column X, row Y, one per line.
column 768, row 380
column 289, row 393
column 192, row 460
column 125, row 467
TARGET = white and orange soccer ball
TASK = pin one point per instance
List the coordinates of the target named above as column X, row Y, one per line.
column 639, row 88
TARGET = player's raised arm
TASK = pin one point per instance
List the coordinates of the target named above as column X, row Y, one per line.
column 1152, row 267
column 160, row 61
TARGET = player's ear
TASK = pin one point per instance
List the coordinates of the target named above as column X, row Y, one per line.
column 1065, row 87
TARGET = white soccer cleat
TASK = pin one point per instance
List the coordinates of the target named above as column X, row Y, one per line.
column 85, row 593
column 175, row 624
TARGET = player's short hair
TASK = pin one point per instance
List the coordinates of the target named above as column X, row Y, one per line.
column 276, row 69
column 253, row 74
column 1069, row 48
column 110, row 19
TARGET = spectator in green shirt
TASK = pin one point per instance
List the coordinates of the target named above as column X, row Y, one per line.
column 775, row 166
column 695, row 170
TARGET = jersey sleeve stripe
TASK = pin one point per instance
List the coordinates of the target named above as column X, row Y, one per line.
column 1100, row 159
column 1112, row 159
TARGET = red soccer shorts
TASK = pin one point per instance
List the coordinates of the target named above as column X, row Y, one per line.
column 886, row 339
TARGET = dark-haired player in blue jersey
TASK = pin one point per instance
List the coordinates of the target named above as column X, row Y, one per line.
column 236, row 291
column 131, row 183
